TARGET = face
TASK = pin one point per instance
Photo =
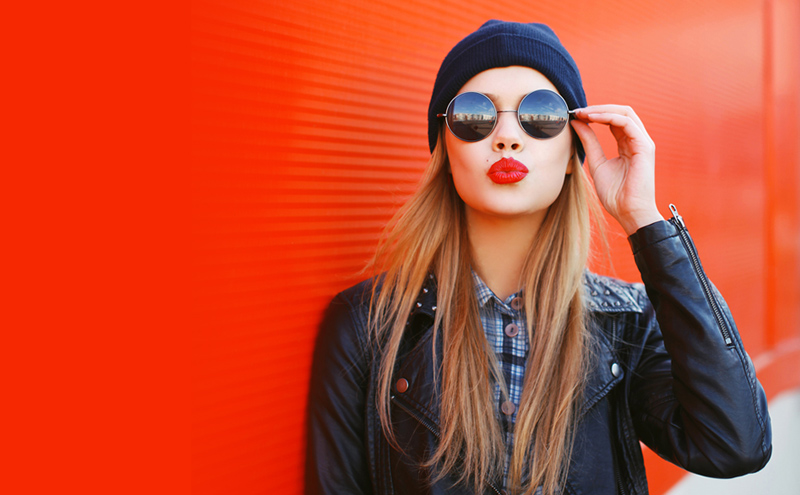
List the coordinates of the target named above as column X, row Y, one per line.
column 548, row 161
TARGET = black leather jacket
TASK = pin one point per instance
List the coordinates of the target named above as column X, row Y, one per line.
column 670, row 370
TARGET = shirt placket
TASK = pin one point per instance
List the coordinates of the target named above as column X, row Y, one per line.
column 512, row 354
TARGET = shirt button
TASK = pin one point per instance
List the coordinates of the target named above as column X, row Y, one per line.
column 615, row 370
column 516, row 303
column 511, row 330
column 508, row 408
column 401, row 385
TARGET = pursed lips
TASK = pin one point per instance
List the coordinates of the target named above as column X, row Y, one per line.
column 507, row 171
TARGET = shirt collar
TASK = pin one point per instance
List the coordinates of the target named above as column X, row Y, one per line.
column 485, row 294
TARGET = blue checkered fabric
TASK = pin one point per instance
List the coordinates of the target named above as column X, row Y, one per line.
column 511, row 351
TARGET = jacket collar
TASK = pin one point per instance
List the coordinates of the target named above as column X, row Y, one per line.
column 605, row 296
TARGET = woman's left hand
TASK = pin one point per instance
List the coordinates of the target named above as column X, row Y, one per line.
column 625, row 185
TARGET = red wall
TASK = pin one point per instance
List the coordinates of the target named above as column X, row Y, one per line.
column 308, row 127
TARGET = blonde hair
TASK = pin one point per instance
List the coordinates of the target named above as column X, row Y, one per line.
column 429, row 233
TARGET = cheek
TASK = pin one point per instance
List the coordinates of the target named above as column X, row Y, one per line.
column 462, row 160
column 466, row 177
column 562, row 148
column 556, row 157
column 452, row 146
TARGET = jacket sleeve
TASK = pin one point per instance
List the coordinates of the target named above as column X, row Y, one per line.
column 695, row 399
column 336, row 458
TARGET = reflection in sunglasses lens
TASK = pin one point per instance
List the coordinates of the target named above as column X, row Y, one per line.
column 471, row 116
column 543, row 114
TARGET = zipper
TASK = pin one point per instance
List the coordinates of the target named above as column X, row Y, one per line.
column 620, row 486
column 419, row 417
column 677, row 221
column 433, row 428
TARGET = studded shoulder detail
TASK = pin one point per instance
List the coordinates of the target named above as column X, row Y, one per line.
column 610, row 295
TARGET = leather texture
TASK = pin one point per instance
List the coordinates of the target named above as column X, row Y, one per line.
column 662, row 373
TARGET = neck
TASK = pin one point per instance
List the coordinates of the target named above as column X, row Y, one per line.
column 499, row 248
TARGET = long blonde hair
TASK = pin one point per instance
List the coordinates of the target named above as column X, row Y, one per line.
column 429, row 233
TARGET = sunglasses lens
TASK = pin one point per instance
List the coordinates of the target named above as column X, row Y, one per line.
column 471, row 116
column 543, row 114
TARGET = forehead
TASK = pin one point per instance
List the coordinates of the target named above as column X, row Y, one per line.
column 508, row 82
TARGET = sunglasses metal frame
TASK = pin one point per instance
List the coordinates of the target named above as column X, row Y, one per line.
column 570, row 115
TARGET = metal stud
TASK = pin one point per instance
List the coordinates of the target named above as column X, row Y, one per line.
column 607, row 292
column 419, row 304
column 425, row 290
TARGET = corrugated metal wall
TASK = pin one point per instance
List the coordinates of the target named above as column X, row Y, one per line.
column 309, row 129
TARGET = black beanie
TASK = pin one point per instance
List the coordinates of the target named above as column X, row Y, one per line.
column 503, row 44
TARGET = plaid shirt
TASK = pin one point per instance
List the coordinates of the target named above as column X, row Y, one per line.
column 504, row 325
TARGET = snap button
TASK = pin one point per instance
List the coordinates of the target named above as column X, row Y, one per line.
column 516, row 303
column 401, row 385
column 511, row 330
column 508, row 408
column 615, row 370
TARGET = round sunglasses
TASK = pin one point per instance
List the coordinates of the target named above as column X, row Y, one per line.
column 542, row 114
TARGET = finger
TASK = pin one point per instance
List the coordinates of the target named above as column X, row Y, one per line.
column 621, row 138
column 620, row 109
column 628, row 140
column 591, row 145
column 637, row 135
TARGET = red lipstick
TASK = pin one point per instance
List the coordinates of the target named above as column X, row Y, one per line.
column 507, row 171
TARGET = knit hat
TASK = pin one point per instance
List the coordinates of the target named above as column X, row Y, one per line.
column 503, row 44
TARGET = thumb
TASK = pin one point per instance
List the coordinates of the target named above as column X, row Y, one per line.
column 591, row 145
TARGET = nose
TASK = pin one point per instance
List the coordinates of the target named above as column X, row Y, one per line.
column 507, row 133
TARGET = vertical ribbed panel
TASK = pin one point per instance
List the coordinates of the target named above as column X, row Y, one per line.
column 309, row 130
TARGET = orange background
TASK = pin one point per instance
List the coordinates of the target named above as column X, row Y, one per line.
column 308, row 129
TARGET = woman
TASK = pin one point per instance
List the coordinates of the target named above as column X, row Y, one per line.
column 486, row 358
